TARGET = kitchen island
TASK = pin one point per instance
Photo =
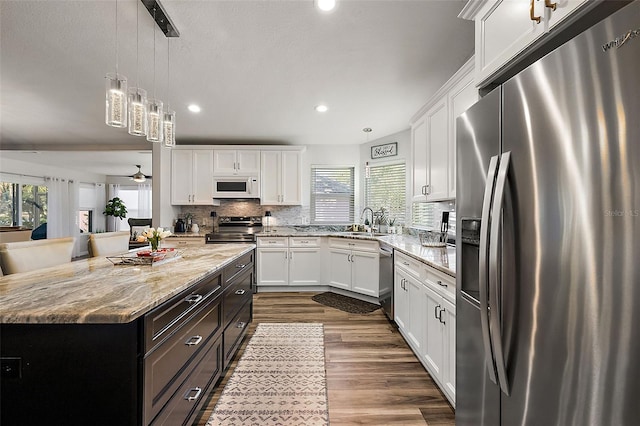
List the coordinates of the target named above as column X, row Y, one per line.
column 91, row 342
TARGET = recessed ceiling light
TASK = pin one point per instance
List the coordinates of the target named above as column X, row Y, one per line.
column 326, row 5
column 322, row 108
column 194, row 108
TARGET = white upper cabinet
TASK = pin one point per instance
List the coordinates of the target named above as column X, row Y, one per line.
column 192, row 177
column 227, row 162
column 281, row 174
column 433, row 137
column 505, row 28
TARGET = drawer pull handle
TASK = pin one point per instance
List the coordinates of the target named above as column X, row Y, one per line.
column 194, row 298
column 193, row 340
column 240, row 266
column 352, row 244
column 195, row 396
column 304, row 242
column 440, row 283
column 241, row 324
column 271, row 242
column 240, row 292
column 182, row 243
column 405, row 263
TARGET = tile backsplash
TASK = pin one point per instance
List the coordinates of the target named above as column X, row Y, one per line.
column 282, row 215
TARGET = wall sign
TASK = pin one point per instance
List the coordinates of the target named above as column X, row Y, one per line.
column 386, row 150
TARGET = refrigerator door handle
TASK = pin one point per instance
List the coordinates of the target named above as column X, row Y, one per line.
column 484, row 265
column 494, row 273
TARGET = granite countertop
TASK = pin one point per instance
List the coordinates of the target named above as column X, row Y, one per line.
column 96, row 291
column 440, row 258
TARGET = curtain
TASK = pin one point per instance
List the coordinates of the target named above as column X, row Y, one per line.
column 62, row 217
column 113, row 223
column 144, row 201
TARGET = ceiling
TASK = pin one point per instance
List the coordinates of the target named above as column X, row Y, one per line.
column 256, row 68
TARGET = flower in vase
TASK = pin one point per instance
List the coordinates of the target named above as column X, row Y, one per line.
column 155, row 235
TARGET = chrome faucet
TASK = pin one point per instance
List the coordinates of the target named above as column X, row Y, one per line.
column 372, row 217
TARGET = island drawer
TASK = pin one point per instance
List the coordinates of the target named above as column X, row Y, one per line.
column 236, row 295
column 164, row 366
column 164, row 319
column 235, row 331
column 187, row 400
column 240, row 265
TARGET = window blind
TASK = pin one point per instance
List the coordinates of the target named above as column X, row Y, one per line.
column 332, row 195
column 386, row 187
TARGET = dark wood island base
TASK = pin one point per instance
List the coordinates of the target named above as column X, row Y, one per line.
column 157, row 369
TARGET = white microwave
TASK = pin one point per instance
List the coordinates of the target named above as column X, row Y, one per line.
column 236, row 187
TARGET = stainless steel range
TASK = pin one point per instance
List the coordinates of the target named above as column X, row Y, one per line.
column 235, row 229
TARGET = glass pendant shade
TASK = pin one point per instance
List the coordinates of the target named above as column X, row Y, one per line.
column 155, row 119
column 169, row 124
column 116, row 100
column 137, row 112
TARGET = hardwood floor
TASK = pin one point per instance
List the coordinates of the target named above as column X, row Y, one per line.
column 373, row 377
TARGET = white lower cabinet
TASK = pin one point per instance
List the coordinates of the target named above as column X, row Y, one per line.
column 353, row 265
column 408, row 309
column 424, row 309
column 283, row 261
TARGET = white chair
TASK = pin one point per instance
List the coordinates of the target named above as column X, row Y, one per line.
column 25, row 256
column 108, row 243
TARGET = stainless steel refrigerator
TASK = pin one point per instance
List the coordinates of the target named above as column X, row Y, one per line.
column 548, row 205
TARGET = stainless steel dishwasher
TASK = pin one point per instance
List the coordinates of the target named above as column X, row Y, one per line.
column 385, row 282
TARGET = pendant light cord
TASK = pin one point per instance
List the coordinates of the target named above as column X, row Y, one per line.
column 154, row 55
column 168, row 75
column 137, row 53
column 116, row 39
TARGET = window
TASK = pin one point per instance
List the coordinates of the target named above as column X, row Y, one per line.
column 133, row 197
column 386, row 187
column 332, row 195
column 23, row 204
column 429, row 215
column 85, row 220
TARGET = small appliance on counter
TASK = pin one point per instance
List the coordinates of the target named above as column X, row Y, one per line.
column 180, row 226
column 215, row 225
column 266, row 222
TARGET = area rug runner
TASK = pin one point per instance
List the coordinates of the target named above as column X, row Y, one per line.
column 345, row 303
column 279, row 380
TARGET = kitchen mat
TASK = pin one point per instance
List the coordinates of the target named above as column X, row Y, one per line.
column 345, row 303
column 279, row 380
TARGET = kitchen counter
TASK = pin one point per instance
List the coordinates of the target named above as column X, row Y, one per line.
column 96, row 291
column 200, row 234
column 441, row 258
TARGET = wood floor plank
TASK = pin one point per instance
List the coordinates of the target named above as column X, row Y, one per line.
column 373, row 377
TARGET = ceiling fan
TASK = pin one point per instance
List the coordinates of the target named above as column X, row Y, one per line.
column 139, row 176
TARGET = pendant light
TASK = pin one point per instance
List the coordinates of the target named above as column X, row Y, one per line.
column 116, row 93
column 137, row 96
column 169, row 120
column 154, row 106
